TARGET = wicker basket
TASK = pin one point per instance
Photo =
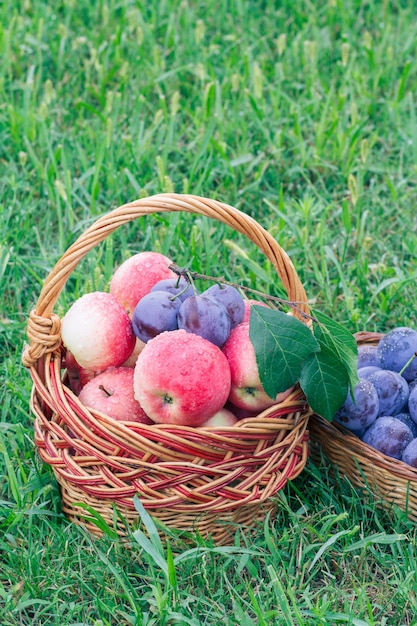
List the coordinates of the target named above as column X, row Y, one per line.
column 189, row 478
column 388, row 480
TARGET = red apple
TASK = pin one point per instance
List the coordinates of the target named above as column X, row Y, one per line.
column 78, row 376
column 246, row 388
column 111, row 393
column 224, row 417
column 131, row 361
column 240, row 413
column 248, row 305
column 136, row 277
column 181, row 378
column 98, row 331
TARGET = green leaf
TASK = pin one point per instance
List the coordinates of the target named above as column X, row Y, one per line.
column 149, row 525
column 324, row 381
column 340, row 342
column 147, row 545
column 376, row 538
column 281, row 343
column 172, row 572
column 96, row 519
column 332, row 540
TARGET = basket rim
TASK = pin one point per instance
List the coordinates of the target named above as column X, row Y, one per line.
column 351, row 444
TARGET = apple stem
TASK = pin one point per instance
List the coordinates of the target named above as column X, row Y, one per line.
column 105, row 390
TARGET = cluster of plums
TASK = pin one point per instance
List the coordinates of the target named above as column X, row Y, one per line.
column 383, row 410
column 173, row 303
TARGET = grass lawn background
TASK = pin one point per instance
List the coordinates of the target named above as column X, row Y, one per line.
column 303, row 115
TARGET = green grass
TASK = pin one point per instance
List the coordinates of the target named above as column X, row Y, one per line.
column 302, row 114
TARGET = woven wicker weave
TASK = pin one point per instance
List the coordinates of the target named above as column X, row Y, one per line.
column 190, row 478
column 387, row 479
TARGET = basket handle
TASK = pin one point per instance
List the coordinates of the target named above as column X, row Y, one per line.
column 44, row 326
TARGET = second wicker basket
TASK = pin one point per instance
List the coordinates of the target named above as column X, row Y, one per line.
column 385, row 479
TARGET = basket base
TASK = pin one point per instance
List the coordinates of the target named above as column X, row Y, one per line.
column 220, row 528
